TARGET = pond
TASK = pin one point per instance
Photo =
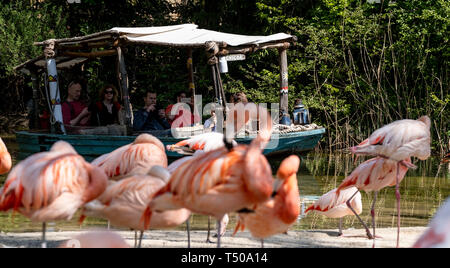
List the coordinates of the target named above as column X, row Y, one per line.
column 423, row 191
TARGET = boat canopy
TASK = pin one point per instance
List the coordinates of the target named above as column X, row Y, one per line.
column 76, row 50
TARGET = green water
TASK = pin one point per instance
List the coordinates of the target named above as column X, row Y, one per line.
column 423, row 191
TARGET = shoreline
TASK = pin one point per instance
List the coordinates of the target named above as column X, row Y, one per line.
column 327, row 238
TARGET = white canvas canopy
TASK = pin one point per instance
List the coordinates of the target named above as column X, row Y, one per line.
column 186, row 35
column 189, row 35
column 72, row 51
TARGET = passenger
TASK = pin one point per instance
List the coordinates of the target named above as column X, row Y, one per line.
column 75, row 112
column 182, row 117
column 211, row 122
column 240, row 97
column 163, row 118
column 106, row 111
column 148, row 118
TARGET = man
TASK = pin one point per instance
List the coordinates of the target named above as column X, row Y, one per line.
column 148, row 117
column 75, row 112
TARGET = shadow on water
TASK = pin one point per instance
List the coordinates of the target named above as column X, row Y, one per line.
column 423, row 191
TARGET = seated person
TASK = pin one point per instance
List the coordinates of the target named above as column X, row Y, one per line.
column 211, row 122
column 240, row 97
column 75, row 112
column 148, row 118
column 182, row 117
column 106, row 111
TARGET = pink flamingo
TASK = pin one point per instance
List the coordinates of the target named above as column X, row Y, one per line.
column 280, row 212
column 374, row 175
column 221, row 181
column 205, row 142
column 5, row 158
column 124, row 202
column 51, row 186
column 438, row 233
column 333, row 205
column 96, row 240
column 135, row 158
column 398, row 141
column 198, row 144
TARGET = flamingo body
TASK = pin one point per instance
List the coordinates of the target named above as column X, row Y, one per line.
column 96, row 240
column 438, row 233
column 276, row 215
column 52, row 185
column 135, row 158
column 206, row 142
column 334, row 205
column 399, row 140
column 216, row 183
column 374, row 174
column 125, row 201
column 5, row 158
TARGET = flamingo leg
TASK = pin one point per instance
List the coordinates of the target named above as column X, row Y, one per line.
column 135, row 239
column 188, row 228
column 262, row 243
column 369, row 235
column 44, row 242
column 219, row 226
column 140, row 239
column 398, row 196
column 208, row 238
column 372, row 213
column 340, row 227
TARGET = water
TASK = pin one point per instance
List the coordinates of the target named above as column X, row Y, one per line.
column 423, row 191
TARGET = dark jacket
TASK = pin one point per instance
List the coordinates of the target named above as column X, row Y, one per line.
column 102, row 117
column 144, row 120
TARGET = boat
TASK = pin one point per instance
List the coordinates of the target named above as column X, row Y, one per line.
column 67, row 53
column 92, row 146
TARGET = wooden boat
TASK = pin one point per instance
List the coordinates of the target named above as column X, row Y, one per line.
column 92, row 146
column 69, row 53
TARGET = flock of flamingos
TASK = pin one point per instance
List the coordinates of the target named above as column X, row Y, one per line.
column 134, row 187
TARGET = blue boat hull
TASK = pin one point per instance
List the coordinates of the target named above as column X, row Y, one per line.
column 92, row 146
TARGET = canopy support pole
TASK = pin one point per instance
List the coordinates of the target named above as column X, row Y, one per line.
column 284, row 101
column 123, row 82
column 35, row 86
column 190, row 67
column 211, row 53
column 55, row 96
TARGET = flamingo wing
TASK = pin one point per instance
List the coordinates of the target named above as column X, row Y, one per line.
column 5, row 158
column 438, row 232
column 135, row 158
column 399, row 140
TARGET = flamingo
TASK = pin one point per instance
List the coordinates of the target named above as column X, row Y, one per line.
column 333, row 205
column 96, row 240
column 196, row 145
column 398, row 141
column 277, row 214
column 5, row 158
column 205, row 142
column 220, row 181
column 51, row 186
column 438, row 233
column 135, row 158
column 124, row 202
column 374, row 175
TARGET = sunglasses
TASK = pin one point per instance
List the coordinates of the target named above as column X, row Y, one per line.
column 109, row 92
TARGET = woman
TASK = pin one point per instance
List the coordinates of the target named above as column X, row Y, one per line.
column 106, row 111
